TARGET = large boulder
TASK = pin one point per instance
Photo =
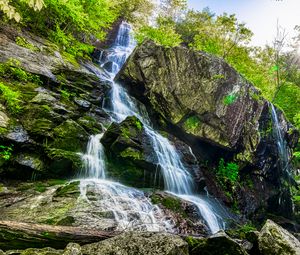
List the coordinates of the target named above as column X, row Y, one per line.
column 139, row 243
column 205, row 102
column 217, row 244
column 275, row 240
column 130, row 153
column 60, row 107
column 196, row 91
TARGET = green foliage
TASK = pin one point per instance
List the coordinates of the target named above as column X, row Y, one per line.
column 21, row 41
column 191, row 123
column 230, row 99
column 6, row 151
column 288, row 99
column 40, row 187
column 164, row 34
column 228, row 171
column 139, row 124
column 10, row 11
column 12, row 70
column 11, row 98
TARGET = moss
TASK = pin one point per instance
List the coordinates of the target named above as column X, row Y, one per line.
column 132, row 153
column 241, row 231
column 40, row 187
column 171, row 203
column 139, row 124
column 191, row 123
column 64, row 161
column 70, row 136
column 230, row 99
column 90, row 124
column 70, row 189
column 126, row 172
column 21, row 41
column 194, row 243
column 218, row 77
column 2, row 187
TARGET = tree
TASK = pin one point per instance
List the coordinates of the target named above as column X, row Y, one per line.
column 136, row 12
column 10, row 11
column 172, row 8
column 278, row 45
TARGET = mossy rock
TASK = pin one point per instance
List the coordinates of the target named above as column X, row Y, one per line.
column 90, row 124
column 70, row 136
column 170, row 202
column 128, row 154
column 64, row 163
column 217, row 244
column 70, row 189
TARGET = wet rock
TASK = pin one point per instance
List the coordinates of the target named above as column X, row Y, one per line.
column 30, row 161
column 274, row 240
column 129, row 153
column 139, row 243
column 45, row 251
column 221, row 100
column 82, row 103
column 207, row 104
column 184, row 214
column 18, row 135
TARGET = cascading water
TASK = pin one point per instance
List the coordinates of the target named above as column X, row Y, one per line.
column 129, row 206
column 282, row 147
column 178, row 180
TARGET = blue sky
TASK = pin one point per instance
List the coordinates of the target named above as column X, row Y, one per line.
column 259, row 15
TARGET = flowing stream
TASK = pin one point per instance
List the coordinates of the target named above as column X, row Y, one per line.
column 177, row 179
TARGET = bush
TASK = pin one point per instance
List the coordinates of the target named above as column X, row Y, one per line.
column 6, row 151
column 11, row 98
column 228, row 171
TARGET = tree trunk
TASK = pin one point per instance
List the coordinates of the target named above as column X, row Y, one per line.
column 18, row 235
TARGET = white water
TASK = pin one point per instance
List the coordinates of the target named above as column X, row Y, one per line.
column 94, row 159
column 178, row 180
column 283, row 151
column 130, row 208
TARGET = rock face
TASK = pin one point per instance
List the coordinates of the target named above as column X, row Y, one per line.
column 206, row 103
column 139, row 243
column 196, row 91
column 129, row 153
column 273, row 239
column 59, row 110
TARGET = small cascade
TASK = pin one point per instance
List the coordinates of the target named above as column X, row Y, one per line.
column 283, row 151
column 178, row 180
column 94, row 159
column 130, row 209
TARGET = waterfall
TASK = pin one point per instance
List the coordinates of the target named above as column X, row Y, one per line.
column 94, row 159
column 177, row 179
column 282, row 147
column 131, row 209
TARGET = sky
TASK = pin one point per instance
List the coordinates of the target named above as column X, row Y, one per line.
column 259, row 15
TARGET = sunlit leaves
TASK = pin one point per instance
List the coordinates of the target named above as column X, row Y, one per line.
column 11, row 13
column 9, row 10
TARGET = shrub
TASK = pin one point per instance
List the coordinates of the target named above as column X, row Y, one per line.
column 6, row 151
column 228, row 171
column 11, row 98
